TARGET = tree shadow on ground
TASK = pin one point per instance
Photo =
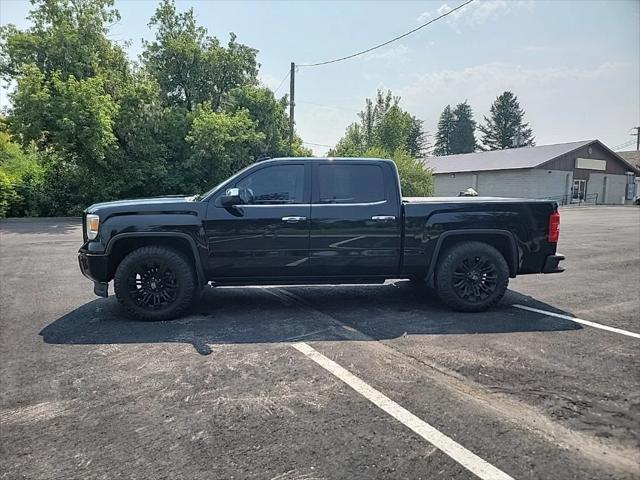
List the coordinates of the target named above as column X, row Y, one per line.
column 287, row 314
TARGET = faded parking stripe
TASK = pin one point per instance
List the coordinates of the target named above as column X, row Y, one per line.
column 457, row 452
column 581, row 321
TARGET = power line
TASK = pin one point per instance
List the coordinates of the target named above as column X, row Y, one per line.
column 282, row 82
column 325, row 106
column 318, row 144
column 628, row 143
column 388, row 41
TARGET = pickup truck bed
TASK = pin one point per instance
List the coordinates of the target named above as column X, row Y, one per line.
column 312, row 220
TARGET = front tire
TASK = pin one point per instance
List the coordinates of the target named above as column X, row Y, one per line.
column 471, row 277
column 155, row 283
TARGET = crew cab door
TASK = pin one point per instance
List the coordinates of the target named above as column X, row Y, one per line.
column 355, row 219
column 269, row 236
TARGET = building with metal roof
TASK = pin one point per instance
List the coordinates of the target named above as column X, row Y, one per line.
column 585, row 171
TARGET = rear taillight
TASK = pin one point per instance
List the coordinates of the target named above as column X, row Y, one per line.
column 554, row 227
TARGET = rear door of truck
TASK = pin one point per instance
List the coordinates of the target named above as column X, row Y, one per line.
column 355, row 219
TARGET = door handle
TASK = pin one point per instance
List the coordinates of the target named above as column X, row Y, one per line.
column 383, row 218
column 293, row 219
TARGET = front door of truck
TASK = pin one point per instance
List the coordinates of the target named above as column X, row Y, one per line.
column 355, row 219
column 269, row 235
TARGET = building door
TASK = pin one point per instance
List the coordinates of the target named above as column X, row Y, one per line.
column 579, row 191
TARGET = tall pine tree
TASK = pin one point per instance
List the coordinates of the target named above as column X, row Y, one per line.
column 445, row 131
column 462, row 139
column 506, row 127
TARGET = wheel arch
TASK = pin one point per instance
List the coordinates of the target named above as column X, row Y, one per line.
column 501, row 240
column 124, row 243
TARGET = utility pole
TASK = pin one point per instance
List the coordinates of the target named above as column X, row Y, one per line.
column 637, row 135
column 292, row 92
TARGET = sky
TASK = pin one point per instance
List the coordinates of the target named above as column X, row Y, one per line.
column 574, row 64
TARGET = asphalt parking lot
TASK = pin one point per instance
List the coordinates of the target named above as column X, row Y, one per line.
column 249, row 385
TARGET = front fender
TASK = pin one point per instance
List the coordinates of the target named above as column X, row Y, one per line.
column 187, row 227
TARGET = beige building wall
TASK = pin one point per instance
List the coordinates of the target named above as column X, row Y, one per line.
column 611, row 189
column 529, row 183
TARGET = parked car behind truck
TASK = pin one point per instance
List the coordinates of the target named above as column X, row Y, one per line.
column 314, row 221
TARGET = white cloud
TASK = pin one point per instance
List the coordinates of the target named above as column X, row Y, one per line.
column 504, row 75
column 269, row 80
column 475, row 13
column 399, row 52
column 562, row 104
column 424, row 17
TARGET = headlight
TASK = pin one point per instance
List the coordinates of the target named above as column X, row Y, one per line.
column 92, row 225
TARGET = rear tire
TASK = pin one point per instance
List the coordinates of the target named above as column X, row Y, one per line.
column 471, row 277
column 155, row 283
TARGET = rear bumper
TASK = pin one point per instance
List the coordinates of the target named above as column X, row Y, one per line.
column 551, row 264
column 95, row 268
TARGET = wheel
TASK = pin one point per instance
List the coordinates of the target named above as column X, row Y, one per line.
column 471, row 277
column 155, row 283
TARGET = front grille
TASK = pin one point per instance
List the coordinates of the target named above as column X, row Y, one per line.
column 84, row 228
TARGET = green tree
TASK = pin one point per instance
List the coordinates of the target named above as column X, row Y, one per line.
column 384, row 125
column 352, row 144
column 69, row 78
column 446, row 126
column 74, row 116
column 192, row 67
column 270, row 118
column 505, row 127
column 67, row 38
column 221, row 144
column 87, row 125
column 462, row 139
column 21, row 177
column 415, row 180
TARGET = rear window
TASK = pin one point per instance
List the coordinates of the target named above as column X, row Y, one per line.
column 349, row 183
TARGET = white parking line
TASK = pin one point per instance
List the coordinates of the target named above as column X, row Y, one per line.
column 584, row 322
column 457, row 452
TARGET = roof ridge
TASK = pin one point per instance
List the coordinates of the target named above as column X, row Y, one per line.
column 512, row 149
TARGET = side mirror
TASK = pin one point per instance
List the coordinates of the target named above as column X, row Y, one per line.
column 236, row 196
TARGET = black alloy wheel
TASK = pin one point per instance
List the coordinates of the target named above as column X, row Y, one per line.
column 471, row 276
column 475, row 278
column 155, row 283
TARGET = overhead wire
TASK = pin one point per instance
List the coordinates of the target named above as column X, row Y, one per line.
column 362, row 52
column 282, row 82
column 628, row 143
column 327, row 62
column 318, row 144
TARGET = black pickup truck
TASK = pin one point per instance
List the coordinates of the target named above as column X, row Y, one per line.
column 314, row 221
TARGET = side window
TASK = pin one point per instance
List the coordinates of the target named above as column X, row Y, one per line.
column 275, row 185
column 350, row 183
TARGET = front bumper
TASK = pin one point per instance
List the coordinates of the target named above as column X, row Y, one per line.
column 551, row 264
column 96, row 268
